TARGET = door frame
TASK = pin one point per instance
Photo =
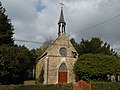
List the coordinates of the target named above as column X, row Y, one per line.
column 63, row 69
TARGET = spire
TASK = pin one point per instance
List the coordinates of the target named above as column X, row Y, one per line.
column 61, row 22
column 61, row 19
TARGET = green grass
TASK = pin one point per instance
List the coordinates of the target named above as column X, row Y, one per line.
column 29, row 82
column 9, row 87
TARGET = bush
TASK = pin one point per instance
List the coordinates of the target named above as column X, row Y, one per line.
column 36, row 87
column 106, row 86
column 95, row 67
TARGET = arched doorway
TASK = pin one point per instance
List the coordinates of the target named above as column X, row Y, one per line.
column 62, row 74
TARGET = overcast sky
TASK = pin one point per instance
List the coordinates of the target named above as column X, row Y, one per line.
column 36, row 20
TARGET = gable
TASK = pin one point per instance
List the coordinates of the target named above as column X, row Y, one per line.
column 61, row 42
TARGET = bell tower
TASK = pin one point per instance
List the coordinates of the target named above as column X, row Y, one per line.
column 61, row 22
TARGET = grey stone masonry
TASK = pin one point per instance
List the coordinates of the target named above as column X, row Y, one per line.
column 48, row 65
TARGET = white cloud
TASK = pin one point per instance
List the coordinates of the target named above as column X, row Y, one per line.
column 35, row 25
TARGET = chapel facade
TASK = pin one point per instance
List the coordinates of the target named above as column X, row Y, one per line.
column 55, row 66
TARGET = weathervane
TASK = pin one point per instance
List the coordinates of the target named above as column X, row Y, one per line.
column 62, row 4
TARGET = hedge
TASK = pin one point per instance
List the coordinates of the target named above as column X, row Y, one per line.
column 36, row 87
column 95, row 86
column 106, row 86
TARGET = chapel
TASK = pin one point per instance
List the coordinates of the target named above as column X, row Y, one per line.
column 55, row 66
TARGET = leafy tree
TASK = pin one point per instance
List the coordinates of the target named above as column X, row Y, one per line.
column 95, row 67
column 15, row 62
column 75, row 44
column 94, row 45
column 43, row 48
column 6, row 28
column 32, row 65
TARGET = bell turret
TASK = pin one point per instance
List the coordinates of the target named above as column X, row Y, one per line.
column 61, row 23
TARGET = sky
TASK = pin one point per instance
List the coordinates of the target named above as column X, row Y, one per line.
column 36, row 20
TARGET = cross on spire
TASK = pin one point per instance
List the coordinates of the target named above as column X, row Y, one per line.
column 62, row 4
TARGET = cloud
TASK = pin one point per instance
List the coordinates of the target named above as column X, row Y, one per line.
column 21, row 10
column 36, row 20
column 86, row 13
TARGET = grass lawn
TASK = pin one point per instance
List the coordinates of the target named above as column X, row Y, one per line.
column 29, row 82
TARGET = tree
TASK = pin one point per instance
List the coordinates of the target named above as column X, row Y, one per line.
column 32, row 65
column 75, row 44
column 6, row 28
column 15, row 63
column 43, row 48
column 95, row 46
column 95, row 67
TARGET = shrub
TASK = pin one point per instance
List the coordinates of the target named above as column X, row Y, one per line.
column 95, row 67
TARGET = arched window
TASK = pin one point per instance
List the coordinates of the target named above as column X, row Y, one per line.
column 63, row 68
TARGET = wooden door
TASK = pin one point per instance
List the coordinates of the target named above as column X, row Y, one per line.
column 62, row 77
column 62, row 74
